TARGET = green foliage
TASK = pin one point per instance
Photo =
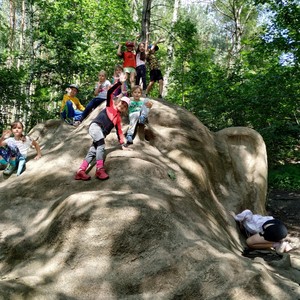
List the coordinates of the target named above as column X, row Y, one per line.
column 283, row 30
column 259, row 92
column 285, row 177
column 70, row 41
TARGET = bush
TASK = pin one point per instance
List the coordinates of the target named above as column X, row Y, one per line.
column 285, row 177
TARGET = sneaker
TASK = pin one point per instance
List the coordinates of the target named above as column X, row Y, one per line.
column 69, row 121
column 2, row 166
column 101, row 174
column 9, row 169
column 142, row 120
column 81, row 175
column 76, row 123
column 129, row 139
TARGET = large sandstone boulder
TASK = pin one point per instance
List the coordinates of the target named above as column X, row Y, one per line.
column 159, row 228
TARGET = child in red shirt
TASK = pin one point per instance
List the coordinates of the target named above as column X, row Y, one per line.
column 129, row 61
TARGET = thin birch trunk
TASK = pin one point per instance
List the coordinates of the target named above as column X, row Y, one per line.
column 170, row 49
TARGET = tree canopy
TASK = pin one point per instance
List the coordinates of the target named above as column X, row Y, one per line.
column 232, row 63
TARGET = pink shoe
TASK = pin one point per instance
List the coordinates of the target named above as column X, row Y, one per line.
column 101, row 174
column 81, row 175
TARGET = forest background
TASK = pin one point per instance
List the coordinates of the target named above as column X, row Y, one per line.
column 230, row 62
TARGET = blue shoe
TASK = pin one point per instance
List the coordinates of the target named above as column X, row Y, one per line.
column 129, row 139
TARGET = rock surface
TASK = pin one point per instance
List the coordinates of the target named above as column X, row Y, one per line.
column 159, row 228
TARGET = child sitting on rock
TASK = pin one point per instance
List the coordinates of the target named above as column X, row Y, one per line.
column 138, row 112
column 100, row 92
column 9, row 154
column 71, row 109
column 19, row 146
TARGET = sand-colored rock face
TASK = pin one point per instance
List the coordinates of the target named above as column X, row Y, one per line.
column 159, row 228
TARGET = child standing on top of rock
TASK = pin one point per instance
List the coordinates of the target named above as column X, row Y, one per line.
column 155, row 72
column 129, row 61
column 100, row 127
column 138, row 111
column 100, row 91
column 141, row 65
column 71, row 109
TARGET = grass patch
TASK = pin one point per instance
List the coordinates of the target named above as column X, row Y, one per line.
column 285, row 177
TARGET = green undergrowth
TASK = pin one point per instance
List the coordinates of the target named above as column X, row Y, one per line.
column 285, row 177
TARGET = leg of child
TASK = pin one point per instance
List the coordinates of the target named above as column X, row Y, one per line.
column 144, row 114
column 68, row 112
column 100, row 170
column 161, row 86
column 21, row 165
column 133, row 119
column 98, row 141
column 91, row 105
column 132, row 79
column 143, row 75
column 3, row 161
column 138, row 75
column 11, row 166
column 81, row 173
column 257, row 241
column 149, row 87
column 77, row 115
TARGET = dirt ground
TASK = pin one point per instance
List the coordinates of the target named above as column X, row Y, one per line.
column 285, row 205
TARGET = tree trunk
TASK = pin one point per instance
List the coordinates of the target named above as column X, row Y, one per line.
column 12, row 27
column 22, row 31
column 170, row 48
column 146, row 15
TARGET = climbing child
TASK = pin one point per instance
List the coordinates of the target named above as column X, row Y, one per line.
column 138, row 111
column 141, row 65
column 129, row 62
column 71, row 109
column 100, row 127
column 155, row 72
column 23, row 143
column 100, row 91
